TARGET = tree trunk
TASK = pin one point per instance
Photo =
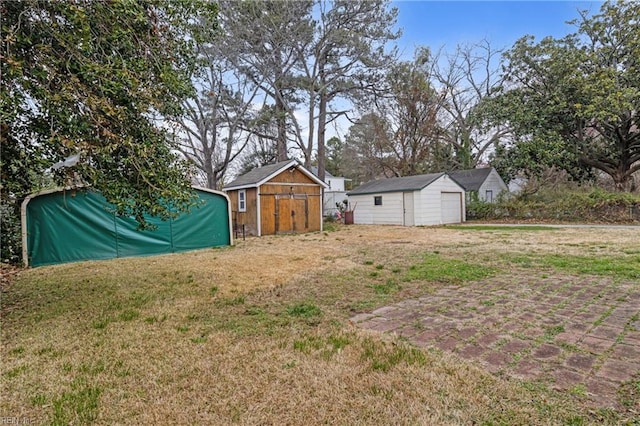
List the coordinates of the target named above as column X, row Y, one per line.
column 281, row 119
column 322, row 124
column 208, row 170
column 308, row 151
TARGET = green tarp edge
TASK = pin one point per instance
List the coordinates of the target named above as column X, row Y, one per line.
column 70, row 226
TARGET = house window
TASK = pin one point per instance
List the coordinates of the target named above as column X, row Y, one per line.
column 242, row 200
column 489, row 196
column 377, row 200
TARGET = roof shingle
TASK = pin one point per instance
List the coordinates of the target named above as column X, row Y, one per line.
column 471, row 180
column 406, row 183
column 258, row 174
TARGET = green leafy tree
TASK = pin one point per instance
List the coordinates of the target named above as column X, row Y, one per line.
column 366, row 152
column 95, row 78
column 574, row 103
column 333, row 156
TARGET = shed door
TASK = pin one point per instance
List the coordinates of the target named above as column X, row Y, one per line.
column 292, row 213
column 407, row 198
column 451, row 207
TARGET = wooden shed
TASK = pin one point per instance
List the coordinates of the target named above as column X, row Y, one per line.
column 431, row 199
column 279, row 198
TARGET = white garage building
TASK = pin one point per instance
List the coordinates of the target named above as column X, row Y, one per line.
column 431, row 199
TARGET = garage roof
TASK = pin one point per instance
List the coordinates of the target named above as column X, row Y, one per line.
column 407, row 183
column 472, row 179
column 260, row 175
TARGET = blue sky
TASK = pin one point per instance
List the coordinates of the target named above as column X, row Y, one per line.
column 445, row 24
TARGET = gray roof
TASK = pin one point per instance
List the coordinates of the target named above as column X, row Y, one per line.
column 407, row 183
column 471, row 180
column 258, row 175
column 314, row 170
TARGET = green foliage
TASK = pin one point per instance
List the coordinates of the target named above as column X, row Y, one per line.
column 333, row 156
column 626, row 267
column 389, row 287
column 328, row 346
column 383, row 356
column 438, row 269
column 77, row 406
column 563, row 204
column 96, row 79
column 10, row 233
column 479, row 209
column 573, row 102
column 304, row 310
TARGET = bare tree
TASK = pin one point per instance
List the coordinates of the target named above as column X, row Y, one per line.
column 366, row 152
column 264, row 40
column 261, row 149
column 348, row 54
column 469, row 77
column 409, row 111
column 210, row 133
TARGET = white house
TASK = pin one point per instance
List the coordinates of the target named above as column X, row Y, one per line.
column 431, row 199
column 335, row 192
column 485, row 182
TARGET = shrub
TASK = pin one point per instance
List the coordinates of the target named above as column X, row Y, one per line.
column 562, row 204
column 10, row 233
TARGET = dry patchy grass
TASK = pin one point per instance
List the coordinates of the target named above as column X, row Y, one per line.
column 258, row 334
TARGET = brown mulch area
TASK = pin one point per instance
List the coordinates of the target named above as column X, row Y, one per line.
column 7, row 273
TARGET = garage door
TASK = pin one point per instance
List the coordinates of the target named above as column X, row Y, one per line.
column 451, row 204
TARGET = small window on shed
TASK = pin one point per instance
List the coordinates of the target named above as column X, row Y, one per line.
column 242, row 200
column 489, row 196
column 377, row 200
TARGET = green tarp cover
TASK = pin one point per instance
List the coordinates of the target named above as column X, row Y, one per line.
column 80, row 225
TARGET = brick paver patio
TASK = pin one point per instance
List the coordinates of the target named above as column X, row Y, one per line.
column 574, row 333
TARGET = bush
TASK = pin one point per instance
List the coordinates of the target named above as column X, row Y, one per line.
column 10, row 233
column 562, row 204
column 477, row 209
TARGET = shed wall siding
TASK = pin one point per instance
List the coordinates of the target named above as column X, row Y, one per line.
column 494, row 183
column 429, row 207
column 389, row 213
column 294, row 176
column 247, row 218
column 279, row 199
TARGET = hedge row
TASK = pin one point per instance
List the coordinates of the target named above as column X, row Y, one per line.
column 592, row 206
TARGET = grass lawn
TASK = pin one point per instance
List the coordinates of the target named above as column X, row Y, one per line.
column 258, row 333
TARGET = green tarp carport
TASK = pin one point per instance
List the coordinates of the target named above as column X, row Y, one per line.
column 73, row 225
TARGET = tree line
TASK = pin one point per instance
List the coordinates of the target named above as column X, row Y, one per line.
column 153, row 95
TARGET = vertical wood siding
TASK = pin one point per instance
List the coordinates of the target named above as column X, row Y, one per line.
column 289, row 203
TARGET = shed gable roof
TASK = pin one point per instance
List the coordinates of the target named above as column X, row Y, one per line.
column 406, row 183
column 260, row 175
column 471, row 180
